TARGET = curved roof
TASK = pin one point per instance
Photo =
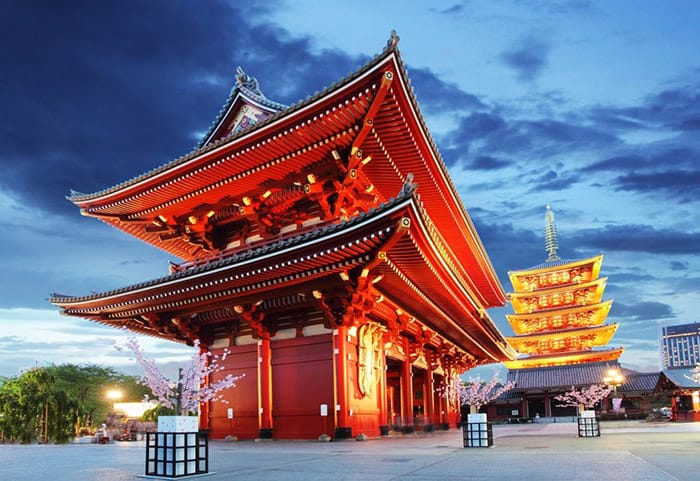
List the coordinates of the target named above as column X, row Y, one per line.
column 297, row 140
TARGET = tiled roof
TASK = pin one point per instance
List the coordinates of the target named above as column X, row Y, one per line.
column 549, row 264
column 560, row 376
column 644, row 382
column 407, row 192
column 679, row 377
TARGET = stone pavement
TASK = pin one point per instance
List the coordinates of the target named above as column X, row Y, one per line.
column 627, row 450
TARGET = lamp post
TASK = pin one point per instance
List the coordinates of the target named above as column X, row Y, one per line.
column 614, row 378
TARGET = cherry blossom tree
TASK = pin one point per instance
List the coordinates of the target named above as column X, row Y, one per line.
column 586, row 396
column 191, row 388
column 476, row 392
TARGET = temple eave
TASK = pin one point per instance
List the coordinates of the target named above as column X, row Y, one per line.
column 565, row 359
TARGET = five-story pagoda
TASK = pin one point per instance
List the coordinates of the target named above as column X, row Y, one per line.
column 560, row 331
column 559, row 311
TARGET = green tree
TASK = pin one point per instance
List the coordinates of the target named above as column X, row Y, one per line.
column 53, row 403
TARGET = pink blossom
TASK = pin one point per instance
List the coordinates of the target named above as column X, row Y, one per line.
column 476, row 392
column 588, row 396
column 192, row 385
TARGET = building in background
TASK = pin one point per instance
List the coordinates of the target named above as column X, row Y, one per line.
column 680, row 345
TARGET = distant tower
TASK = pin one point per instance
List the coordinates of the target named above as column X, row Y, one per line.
column 559, row 312
column 681, row 345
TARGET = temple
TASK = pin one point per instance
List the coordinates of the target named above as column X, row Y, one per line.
column 560, row 333
column 324, row 245
column 559, row 310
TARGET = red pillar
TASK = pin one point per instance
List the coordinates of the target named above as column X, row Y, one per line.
column 383, row 414
column 265, row 387
column 204, row 407
column 547, row 405
column 429, row 396
column 407, row 387
column 340, row 351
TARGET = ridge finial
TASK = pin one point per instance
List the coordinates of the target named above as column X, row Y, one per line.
column 551, row 238
column 393, row 40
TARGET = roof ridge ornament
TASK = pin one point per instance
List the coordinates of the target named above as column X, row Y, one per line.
column 551, row 238
column 409, row 186
column 245, row 80
column 393, row 41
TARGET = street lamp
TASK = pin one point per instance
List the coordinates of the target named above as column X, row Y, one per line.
column 114, row 395
column 613, row 377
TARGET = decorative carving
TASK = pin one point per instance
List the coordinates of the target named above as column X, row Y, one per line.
column 369, row 336
column 255, row 319
column 245, row 80
column 393, row 41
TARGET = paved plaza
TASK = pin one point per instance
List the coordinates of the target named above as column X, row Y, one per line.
column 632, row 450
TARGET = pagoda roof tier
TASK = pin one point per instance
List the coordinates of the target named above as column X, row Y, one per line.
column 564, row 340
column 565, row 359
column 384, row 264
column 555, row 273
column 341, row 152
column 585, row 293
column 564, row 318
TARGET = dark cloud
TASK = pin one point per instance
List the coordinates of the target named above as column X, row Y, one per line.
column 437, row 96
column 679, row 266
column 642, row 311
column 552, row 181
column 509, row 247
column 487, row 162
column 681, row 184
column 456, row 9
column 638, row 238
column 93, row 106
column 527, row 58
column 490, row 135
column 672, row 109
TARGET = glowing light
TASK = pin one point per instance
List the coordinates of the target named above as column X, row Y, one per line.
column 114, row 394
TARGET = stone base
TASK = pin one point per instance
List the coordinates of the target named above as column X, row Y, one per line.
column 265, row 433
column 343, row 433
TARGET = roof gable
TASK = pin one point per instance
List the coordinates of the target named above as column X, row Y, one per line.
column 245, row 107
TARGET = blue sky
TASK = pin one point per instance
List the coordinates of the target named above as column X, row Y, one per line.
column 592, row 107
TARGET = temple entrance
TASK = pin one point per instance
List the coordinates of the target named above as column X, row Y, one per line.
column 393, row 393
column 419, row 398
column 535, row 408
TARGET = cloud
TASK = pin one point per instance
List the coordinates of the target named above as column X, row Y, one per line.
column 95, row 106
column 679, row 266
column 642, row 311
column 683, row 185
column 456, row 9
column 527, row 58
column 437, row 96
column 638, row 238
column 39, row 337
